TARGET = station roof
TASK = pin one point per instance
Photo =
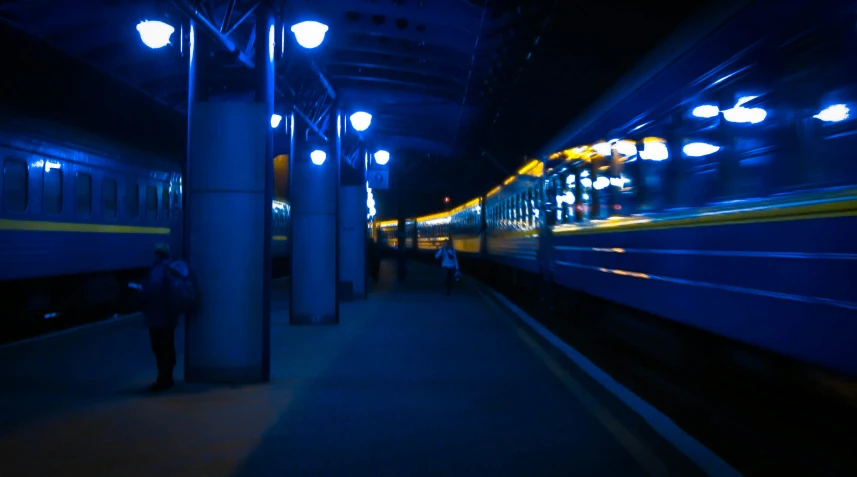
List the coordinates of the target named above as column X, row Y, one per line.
column 470, row 85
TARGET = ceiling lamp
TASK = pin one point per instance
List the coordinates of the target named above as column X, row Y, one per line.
column 382, row 157
column 155, row 34
column 317, row 157
column 309, row 34
column 361, row 120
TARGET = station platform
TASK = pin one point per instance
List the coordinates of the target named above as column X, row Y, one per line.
column 412, row 382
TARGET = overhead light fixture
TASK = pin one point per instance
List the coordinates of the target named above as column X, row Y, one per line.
column 382, row 157
column 835, row 113
column 155, row 34
column 361, row 120
column 275, row 120
column 309, row 34
column 317, row 157
column 699, row 149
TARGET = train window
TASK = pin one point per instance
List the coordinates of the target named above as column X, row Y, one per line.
column 83, row 194
column 151, row 203
column 132, row 201
column 165, row 201
column 52, row 190
column 15, row 186
column 109, row 201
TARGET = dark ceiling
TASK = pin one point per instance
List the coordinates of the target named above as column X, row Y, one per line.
column 461, row 90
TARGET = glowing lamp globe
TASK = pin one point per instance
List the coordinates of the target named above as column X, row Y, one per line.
column 155, row 34
column 317, row 157
column 309, row 34
column 382, row 157
column 360, row 121
column 275, row 120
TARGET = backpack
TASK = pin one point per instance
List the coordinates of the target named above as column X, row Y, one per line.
column 182, row 291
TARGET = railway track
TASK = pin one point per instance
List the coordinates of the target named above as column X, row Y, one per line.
column 760, row 422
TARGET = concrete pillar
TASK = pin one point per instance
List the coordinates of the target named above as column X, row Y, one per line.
column 228, row 220
column 352, row 229
column 314, row 236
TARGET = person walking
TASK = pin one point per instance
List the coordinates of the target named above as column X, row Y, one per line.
column 449, row 263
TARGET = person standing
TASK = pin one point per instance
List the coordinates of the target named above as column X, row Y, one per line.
column 161, row 318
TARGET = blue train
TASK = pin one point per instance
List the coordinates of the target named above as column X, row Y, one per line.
column 715, row 188
column 79, row 219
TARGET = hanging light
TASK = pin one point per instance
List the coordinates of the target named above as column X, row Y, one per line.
column 275, row 120
column 155, row 34
column 361, row 120
column 309, row 34
column 317, row 157
column 382, row 157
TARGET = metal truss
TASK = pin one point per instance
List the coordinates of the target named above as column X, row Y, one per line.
column 313, row 100
column 351, row 153
column 313, row 97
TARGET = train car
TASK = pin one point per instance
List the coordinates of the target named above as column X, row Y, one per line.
column 79, row 220
column 387, row 233
column 720, row 191
column 466, row 227
column 432, row 231
column 76, row 220
column 512, row 214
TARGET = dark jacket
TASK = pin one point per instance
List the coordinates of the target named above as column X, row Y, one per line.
column 156, row 310
column 373, row 259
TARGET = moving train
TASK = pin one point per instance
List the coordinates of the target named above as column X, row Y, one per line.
column 714, row 187
column 79, row 219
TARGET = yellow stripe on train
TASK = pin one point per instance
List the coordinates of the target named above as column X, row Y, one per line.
column 806, row 211
column 45, row 226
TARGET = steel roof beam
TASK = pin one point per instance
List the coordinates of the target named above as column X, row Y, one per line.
column 454, row 14
column 425, row 72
